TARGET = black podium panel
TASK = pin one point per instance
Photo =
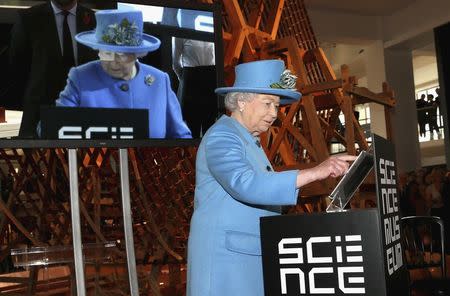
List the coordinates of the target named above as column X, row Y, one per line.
column 325, row 253
column 389, row 210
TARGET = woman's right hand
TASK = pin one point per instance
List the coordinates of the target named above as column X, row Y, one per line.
column 333, row 166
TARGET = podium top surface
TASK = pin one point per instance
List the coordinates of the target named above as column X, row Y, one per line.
column 315, row 214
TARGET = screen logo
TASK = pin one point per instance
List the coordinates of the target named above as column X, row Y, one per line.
column 95, row 132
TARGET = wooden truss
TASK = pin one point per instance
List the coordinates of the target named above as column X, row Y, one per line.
column 304, row 132
column 35, row 210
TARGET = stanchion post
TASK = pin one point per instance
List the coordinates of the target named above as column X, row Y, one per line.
column 128, row 221
column 76, row 228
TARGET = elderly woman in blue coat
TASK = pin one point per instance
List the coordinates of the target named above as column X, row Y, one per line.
column 236, row 185
column 119, row 80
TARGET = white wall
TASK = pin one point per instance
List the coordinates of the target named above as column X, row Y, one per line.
column 342, row 27
column 419, row 17
column 331, row 26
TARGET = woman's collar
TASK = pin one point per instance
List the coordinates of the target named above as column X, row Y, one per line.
column 243, row 130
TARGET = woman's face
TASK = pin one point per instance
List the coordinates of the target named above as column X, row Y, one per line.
column 258, row 114
column 118, row 65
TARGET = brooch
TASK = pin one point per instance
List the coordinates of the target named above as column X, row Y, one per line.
column 149, row 79
column 287, row 81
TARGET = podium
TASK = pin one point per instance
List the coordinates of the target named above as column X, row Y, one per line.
column 354, row 252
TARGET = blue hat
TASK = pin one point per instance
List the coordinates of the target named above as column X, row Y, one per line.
column 264, row 77
column 119, row 31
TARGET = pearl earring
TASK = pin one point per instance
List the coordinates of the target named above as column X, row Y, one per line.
column 242, row 108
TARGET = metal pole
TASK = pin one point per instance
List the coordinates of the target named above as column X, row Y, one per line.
column 76, row 228
column 128, row 221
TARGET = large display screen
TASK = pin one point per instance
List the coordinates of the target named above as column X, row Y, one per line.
column 190, row 53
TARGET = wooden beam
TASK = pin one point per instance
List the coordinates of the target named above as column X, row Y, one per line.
column 226, row 36
column 366, row 93
column 322, row 86
column 234, row 48
column 19, row 225
column 303, row 141
column 286, row 153
column 347, row 109
column 315, row 128
column 254, row 19
column 234, row 14
column 259, row 33
column 299, row 66
column 325, row 101
column 273, row 21
column 239, row 31
column 324, row 64
column 286, row 121
column 288, row 44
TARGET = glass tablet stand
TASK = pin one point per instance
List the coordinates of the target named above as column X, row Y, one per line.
column 44, row 256
column 338, row 203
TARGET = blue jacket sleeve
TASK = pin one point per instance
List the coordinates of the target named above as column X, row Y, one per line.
column 70, row 96
column 227, row 162
column 176, row 127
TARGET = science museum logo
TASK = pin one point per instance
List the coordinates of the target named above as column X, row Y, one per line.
column 337, row 258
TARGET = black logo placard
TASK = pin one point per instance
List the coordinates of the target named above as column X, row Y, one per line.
column 389, row 208
column 323, row 254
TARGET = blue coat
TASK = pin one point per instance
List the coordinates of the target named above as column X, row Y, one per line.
column 235, row 186
column 89, row 85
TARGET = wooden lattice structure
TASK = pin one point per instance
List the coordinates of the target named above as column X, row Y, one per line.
column 265, row 29
column 36, row 212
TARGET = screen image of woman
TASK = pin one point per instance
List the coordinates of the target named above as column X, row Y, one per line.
column 119, row 80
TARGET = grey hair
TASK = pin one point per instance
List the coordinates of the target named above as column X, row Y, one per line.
column 232, row 99
column 137, row 55
column 141, row 54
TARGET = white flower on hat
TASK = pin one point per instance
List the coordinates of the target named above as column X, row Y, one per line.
column 125, row 33
column 287, row 81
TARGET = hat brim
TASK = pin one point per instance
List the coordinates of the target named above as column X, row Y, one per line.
column 286, row 96
column 149, row 43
